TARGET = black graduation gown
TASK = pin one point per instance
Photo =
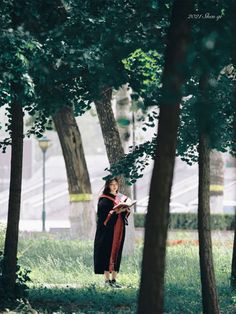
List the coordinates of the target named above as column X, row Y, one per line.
column 104, row 243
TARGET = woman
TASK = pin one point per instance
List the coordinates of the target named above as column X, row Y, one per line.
column 110, row 234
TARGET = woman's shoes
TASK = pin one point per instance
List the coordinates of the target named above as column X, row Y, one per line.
column 107, row 283
column 112, row 283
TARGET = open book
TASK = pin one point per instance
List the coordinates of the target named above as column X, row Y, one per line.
column 123, row 206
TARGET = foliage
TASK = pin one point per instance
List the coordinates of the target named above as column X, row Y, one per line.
column 112, row 31
column 133, row 164
column 14, row 63
column 83, row 44
column 21, row 288
column 207, row 54
column 18, row 49
column 80, row 48
column 22, row 277
column 144, row 72
column 77, row 49
column 209, row 111
column 25, row 54
column 220, row 129
column 219, row 122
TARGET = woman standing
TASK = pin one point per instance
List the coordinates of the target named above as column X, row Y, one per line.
column 110, row 234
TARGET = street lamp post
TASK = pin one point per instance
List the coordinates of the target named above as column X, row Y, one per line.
column 134, row 143
column 43, row 144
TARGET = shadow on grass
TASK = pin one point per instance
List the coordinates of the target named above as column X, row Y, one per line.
column 97, row 299
column 90, row 299
column 189, row 300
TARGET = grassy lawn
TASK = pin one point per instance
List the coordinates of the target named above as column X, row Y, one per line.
column 63, row 280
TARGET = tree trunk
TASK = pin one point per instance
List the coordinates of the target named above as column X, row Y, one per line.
column 11, row 241
column 82, row 213
column 233, row 266
column 114, row 152
column 153, row 266
column 216, row 181
column 151, row 297
column 209, row 293
column 123, row 116
column 109, row 127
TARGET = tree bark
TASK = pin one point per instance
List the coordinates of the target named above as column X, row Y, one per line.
column 109, row 127
column 153, row 266
column 233, row 265
column 11, row 240
column 151, row 297
column 82, row 213
column 209, row 293
column 114, row 152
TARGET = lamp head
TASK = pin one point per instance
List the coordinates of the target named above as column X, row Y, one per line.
column 43, row 143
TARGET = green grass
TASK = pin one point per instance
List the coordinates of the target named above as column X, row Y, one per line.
column 183, row 287
column 63, row 280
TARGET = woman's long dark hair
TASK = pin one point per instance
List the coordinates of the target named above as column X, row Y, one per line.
column 107, row 188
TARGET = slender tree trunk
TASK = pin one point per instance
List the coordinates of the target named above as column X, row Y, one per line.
column 110, row 132
column 233, row 266
column 114, row 152
column 82, row 213
column 11, row 241
column 151, row 297
column 109, row 127
column 153, row 266
column 209, row 293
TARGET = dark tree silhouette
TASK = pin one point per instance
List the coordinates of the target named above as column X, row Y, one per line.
column 153, row 267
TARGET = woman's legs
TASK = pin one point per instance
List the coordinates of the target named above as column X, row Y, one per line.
column 107, row 275
column 113, row 275
column 112, row 282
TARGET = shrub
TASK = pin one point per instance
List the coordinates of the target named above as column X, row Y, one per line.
column 189, row 221
column 20, row 289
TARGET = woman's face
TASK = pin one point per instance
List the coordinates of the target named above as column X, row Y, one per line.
column 113, row 186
